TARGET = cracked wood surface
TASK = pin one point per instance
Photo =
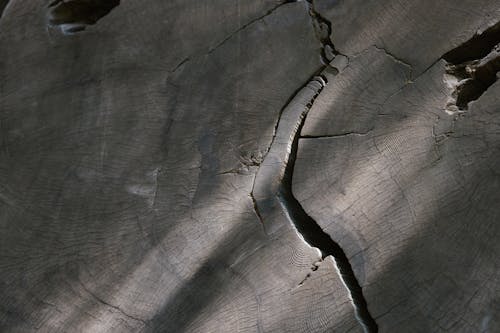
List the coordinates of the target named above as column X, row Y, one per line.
column 418, row 32
column 414, row 203
column 117, row 210
column 410, row 188
column 130, row 151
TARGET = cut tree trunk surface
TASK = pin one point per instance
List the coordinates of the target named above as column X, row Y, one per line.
column 249, row 166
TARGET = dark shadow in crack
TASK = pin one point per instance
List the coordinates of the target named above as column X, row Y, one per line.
column 75, row 15
column 475, row 64
column 482, row 77
column 315, row 236
column 475, row 48
column 3, row 4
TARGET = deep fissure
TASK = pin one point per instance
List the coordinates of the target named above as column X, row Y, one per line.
column 323, row 30
column 476, row 47
column 305, row 225
column 75, row 15
column 314, row 235
column 3, row 5
column 474, row 65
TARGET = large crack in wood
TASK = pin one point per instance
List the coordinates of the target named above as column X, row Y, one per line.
column 477, row 47
column 323, row 30
column 275, row 203
column 3, row 5
column 472, row 68
column 272, row 195
column 75, row 15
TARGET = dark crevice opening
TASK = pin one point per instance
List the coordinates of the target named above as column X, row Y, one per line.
column 3, row 4
column 475, row 64
column 323, row 30
column 75, row 15
column 475, row 48
column 314, row 235
column 481, row 78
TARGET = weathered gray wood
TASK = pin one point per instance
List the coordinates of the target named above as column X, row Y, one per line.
column 128, row 156
column 149, row 149
column 410, row 190
column 417, row 32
